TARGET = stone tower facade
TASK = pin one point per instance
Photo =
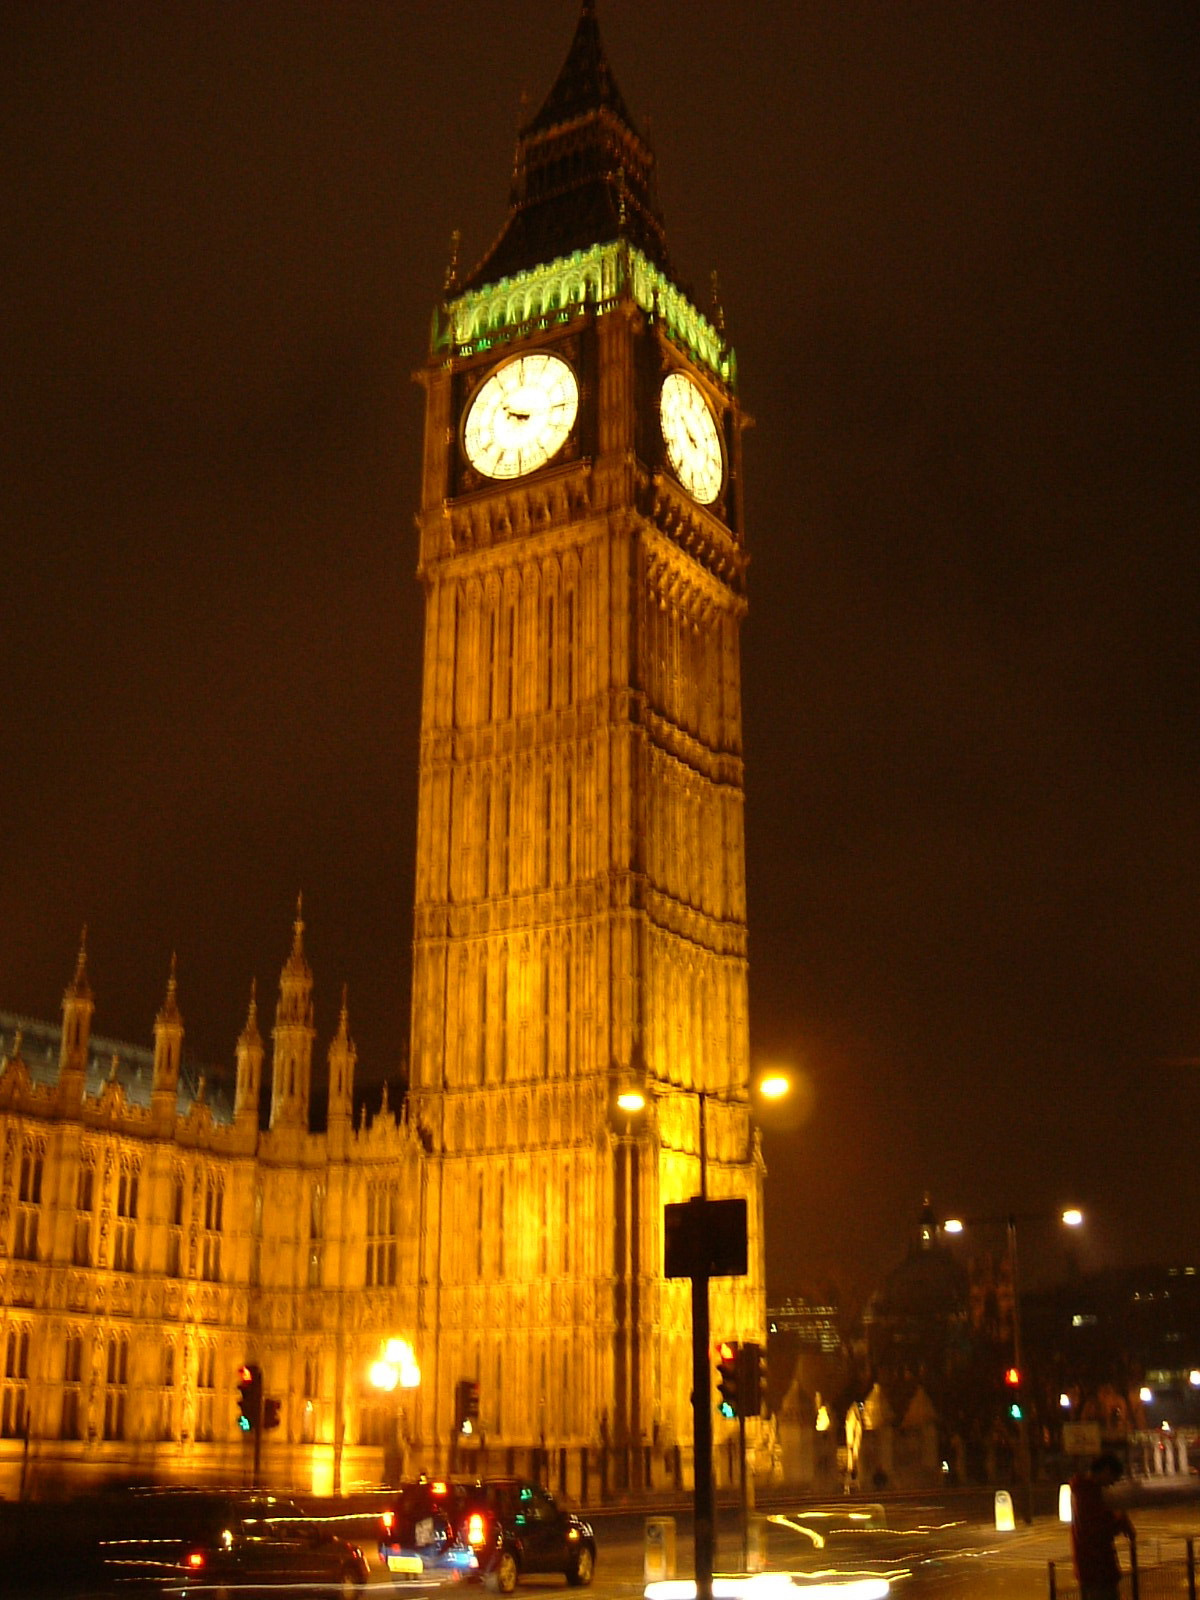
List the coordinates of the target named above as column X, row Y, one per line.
column 580, row 924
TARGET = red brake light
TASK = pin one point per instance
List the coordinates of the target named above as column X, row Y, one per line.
column 389, row 1521
column 194, row 1560
column 476, row 1529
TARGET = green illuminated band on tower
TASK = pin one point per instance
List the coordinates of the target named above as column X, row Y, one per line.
column 500, row 311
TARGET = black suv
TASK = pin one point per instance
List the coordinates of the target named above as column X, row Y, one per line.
column 513, row 1526
column 184, row 1542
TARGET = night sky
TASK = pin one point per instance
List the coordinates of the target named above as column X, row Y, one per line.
column 957, row 245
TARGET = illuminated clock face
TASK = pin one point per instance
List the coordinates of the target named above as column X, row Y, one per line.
column 690, row 434
column 521, row 416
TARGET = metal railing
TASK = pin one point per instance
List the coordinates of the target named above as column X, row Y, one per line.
column 1164, row 1578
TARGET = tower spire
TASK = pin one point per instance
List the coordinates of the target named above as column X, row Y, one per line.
column 78, row 1004
column 291, row 1065
column 577, row 158
column 168, row 1052
column 342, row 1059
column 249, row 1064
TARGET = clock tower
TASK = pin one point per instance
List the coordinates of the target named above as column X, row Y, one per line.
column 580, row 922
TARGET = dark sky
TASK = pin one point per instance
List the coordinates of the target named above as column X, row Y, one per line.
column 958, row 248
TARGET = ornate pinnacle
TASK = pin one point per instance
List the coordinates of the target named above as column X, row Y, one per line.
column 79, row 987
column 718, row 310
column 170, row 1009
column 250, row 1033
column 451, row 284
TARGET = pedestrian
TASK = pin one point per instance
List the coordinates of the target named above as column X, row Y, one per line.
column 1094, row 1529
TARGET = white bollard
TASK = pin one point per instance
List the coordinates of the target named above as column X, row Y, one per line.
column 1005, row 1521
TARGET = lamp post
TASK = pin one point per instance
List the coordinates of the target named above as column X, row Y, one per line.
column 628, row 1391
column 1072, row 1217
column 392, row 1372
column 774, row 1085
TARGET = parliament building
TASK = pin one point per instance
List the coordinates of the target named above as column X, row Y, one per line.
column 579, row 939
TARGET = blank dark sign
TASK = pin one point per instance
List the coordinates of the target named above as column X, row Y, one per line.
column 705, row 1239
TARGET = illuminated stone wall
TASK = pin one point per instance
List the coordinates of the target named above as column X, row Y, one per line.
column 580, row 901
column 152, row 1239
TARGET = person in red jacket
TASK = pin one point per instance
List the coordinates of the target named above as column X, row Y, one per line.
column 1094, row 1528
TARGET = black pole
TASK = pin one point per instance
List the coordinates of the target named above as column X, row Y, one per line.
column 743, row 1481
column 702, row 1515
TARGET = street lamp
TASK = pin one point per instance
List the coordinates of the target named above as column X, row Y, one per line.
column 773, row 1085
column 628, row 1393
column 1072, row 1217
column 394, row 1370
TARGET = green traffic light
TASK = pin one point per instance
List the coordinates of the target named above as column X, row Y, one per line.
column 244, row 1424
column 1015, row 1412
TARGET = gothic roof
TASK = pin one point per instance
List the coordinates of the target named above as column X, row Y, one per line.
column 109, row 1060
column 583, row 174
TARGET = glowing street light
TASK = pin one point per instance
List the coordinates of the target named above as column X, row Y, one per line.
column 1071, row 1217
column 774, row 1085
column 396, row 1369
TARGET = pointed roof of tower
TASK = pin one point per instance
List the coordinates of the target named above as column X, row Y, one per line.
column 295, row 979
column 79, row 988
column 250, row 1034
column 342, row 1036
column 583, row 172
column 170, row 1008
column 296, row 964
column 585, row 83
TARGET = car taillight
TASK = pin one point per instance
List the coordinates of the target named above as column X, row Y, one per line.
column 388, row 1519
column 194, row 1560
column 476, row 1529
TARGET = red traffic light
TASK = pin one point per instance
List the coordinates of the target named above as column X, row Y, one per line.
column 1012, row 1378
column 250, row 1397
column 728, row 1376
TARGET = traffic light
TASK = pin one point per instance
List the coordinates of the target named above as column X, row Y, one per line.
column 1012, row 1382
column 466, row 1405
column 250, row 1397
column 270, row 1414
column 753, row 1384
column 728, row 1374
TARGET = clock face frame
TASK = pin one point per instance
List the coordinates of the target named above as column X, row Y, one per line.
column 692, row 438
column 521, row 415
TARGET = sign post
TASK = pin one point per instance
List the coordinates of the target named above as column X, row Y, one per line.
column 704, row 1239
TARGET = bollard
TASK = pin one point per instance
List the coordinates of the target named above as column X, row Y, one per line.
column 1005, row 1521
column 756, row 1544
column 659, row 1563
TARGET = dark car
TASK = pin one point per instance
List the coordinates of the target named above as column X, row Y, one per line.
column 419, row 1532
column 514, row 1526
column 208, row 1543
